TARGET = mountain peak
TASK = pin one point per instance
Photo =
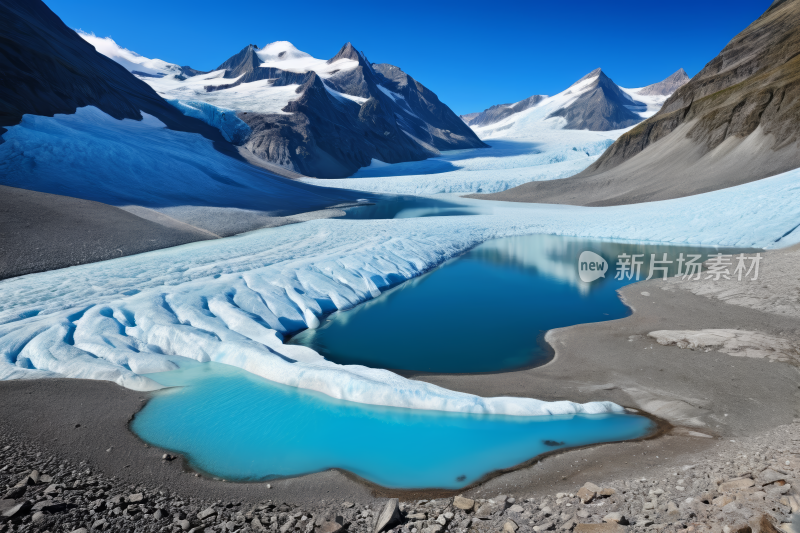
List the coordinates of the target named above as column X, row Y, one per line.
column 668, row 85
column 347, row 51
column 280, row 51
column 593, row 74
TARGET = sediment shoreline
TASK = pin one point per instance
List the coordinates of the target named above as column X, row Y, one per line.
column 710, row 399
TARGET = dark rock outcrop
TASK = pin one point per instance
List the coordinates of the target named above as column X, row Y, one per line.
column 47, row 69
column 327, row 135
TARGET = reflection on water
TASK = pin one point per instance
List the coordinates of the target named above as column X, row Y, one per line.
column 238, row 426
column 487, row 310
column 388, row 207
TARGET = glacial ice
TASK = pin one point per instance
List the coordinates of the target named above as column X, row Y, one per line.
column 551, row 154
column 225, row 120
column 117, row 161
column 232, row 300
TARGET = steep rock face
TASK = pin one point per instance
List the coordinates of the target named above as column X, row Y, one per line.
column 752, row 83
column 600, row 108
column 47, row 69
column 736, row 121
column 323, row 133
column 498, row 112
column 440, row 126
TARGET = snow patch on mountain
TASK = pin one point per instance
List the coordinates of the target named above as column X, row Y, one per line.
column 285, row 56
column 255, row 97
column 128, row 58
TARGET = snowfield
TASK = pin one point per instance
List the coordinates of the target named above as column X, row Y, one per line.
column 232, row 300
column 129, row 59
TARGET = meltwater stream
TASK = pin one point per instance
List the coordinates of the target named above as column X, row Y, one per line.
column 238, row 426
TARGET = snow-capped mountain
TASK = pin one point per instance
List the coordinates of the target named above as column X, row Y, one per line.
column 132, row 61
column 321, row 118
column 594, row 102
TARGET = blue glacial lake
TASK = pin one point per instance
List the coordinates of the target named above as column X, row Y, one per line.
column 238, row 426
column 487, row 310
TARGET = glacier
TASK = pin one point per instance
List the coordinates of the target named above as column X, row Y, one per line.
column 225, row 120
column 549, row 154
column 116, row 161
column 233, row 300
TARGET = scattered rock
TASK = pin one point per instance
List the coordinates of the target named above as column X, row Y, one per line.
column 389, row 516
column 464, row 504
column 202, row 515
column 510, row 526
column 615, row 518
column 588, row 492
column 19, row 509
column 330, row 527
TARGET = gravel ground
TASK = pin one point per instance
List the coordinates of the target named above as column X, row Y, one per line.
column 742, row 486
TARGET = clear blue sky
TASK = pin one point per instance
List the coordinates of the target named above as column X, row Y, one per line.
column 472, row 54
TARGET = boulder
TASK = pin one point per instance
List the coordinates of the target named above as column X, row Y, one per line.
column 547, row 526
column 202, row 515
column 49, row 506
column 588, row 492
column 771, row 476
column 510, row 527
column 516, row 508
column 465, row 504
column 19, row 509
column 52, row 489
column 16, row 492
column 389, row 516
